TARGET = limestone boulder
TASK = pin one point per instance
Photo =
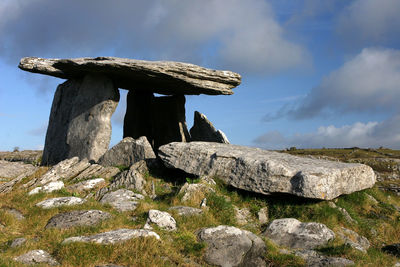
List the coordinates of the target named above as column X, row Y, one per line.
column 127, row 152
column 162, row 219
column 122, row 199
column 59, row 202
column 231, row 246
column 204, row 130
column 113, row 237
column 35, row 257
column 267, row 172
column 163, row 77
column 77, row 218
column 97, row 171
column 292, row 233
column 315, row 259
column 48, row 188
column 86, row 185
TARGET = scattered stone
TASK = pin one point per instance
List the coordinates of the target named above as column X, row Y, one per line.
column 14, row 212
column 11, row 170
column 242, row 215
column 315, row 259
column 127, row 152
column 8, row 186
column 204, row 130
column 48, row 188
column 95, row 171
column 77, row 218
column 292, row 233
column 163, row 77
column 231, row 246
column 186, row 211
column 354, row 240
column 122, row 199
column 27, row 156
column 347, row 215
column 162, row 219
column 18, row 242
column 267, row 172
column 37, row 256
column 63, row 170
column 393, row 249
column 113, row 237
column 263, row 216
column 86, row 185
column 59, row 202
column 191, row 191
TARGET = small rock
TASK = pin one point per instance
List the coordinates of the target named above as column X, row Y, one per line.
column 162, row 219
column 354, row 240
column 86, row 185
column 113, row 237
column 37, row 256
column 14, row 212
column 263, row 216
column 18, row 242
column 48, row 188
column 186, row 211
column 315, row 259
column 77, row 218
column 393, row 249
column 347, row 215
column 242, row 215
column 231, row 246
column 60, row 201
column 190, row 191
column 122, row 199
column 292, row 233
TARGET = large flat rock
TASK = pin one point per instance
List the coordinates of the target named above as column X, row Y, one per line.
column 163, row 77
column 267, row 172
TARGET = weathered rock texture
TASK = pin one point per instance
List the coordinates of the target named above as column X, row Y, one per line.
column 86, row 185
column 11, row 170
column 161, row 119
column 162, row 219
column 80, row 119
column 204, row 130
column 113, row 237
column 292, row 233
column 122, row 199
column 353, row 239
column 48, row 188
column 77, row 218
column 231, row 246
column 26, row 156
column 127, row 152
column 37, row 256
column 268, row 172
column 59, row 202
column 186, row 211
column 164, row 77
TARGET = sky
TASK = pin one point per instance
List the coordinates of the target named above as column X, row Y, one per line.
column 315, row 73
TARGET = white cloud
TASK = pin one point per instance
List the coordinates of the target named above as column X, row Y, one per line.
column 240, row 35
column 371, row 134
column 370, row 21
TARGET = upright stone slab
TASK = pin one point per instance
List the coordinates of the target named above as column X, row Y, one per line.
column 80, row 119
column 161, row 119
column 204, row 130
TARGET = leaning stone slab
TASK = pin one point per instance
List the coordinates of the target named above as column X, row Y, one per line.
column 231, row 246
column 59, row 202
column 86, row 185
column 37, row 256
column 95, row 171
column 8, row 186
column 292, row 233
column 77, row 218
column 127, row 152
column 113, row 237
column 267, row 172
column 11, row 170
column 163, row 77
column 122, row 199
column 204, row 130
column 63, row 170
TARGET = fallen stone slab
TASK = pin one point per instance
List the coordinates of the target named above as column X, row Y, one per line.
column 231, row 246
column 204, row 130
column 11, row 170
column 267, row 172
column 292, row 233
column 37, row 256
column 186, row 211
column 162, row 219
column 59, row 202
column 127, row 152
column 77, row 218
column 122, row 199
column 86, row 185
column 163, row 77
column 113, row 237
column 48, row 188
column 97, row 171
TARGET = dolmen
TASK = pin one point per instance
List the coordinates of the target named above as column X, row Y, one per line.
column 80, row 118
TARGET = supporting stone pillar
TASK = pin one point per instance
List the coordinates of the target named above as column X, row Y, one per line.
column 80, row 119
column 161, row 119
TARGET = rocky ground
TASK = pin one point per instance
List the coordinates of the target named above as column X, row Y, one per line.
column 78, row 213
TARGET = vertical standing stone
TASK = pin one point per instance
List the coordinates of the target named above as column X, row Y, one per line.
column 204, row 130
column 161, row 119
column 80, row 119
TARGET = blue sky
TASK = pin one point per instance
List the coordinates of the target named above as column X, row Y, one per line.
column 315, row 73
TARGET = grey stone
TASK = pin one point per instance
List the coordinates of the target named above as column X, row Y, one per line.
column 8, row 186
column 314, row 259
column 14, row 212
column 86, row 185
column 80, row 119
column 190, row 191
column 161, row 119
column 11, row 170
column 37, row 256
column 48, row 188
column 59, row 202
column 204, row 130
column 77, row 218
column 26, row 156
column 18, row 242
column 127, row 152
column 113, row 237
column 242, row 215
column 62, row 170
column 162, row 219
column 163, row 77
column 347, row 215
column 186, row 211
column 292, row 233
column 354, row 240
column 122, row 199
column 95, row 171
column 267, row 172
column 231, row 246
column 263, row 216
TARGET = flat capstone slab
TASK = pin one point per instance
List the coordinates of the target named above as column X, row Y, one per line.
column 163, row 77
